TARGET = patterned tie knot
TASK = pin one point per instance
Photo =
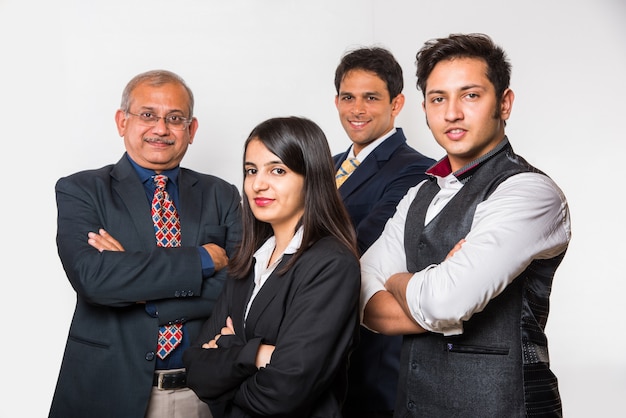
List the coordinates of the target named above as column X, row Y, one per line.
column 160, row 180
column 347, row 167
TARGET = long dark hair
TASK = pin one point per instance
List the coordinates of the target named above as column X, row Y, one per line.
column 302, row 146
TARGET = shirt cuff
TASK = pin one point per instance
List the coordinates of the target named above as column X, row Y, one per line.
column 414, row 292
column 151, row 309
column 208, row 266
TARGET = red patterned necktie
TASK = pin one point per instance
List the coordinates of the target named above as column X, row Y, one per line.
column 167, row 233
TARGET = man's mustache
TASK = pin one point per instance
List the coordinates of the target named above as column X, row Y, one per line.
column 160, row 141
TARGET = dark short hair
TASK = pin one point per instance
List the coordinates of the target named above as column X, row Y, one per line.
column 376, row 60
column 474, row 45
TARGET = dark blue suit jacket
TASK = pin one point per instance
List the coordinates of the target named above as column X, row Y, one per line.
column 109, row 358
column 371, row 195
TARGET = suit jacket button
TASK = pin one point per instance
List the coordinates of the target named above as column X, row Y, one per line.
column 150, row 355
column 177, row 293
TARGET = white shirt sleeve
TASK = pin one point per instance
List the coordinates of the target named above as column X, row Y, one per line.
column 526, row 218
column 386, row 256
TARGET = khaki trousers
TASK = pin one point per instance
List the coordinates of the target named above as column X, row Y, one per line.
column 176, row 403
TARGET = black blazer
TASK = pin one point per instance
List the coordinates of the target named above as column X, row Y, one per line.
column 310, row 314
column 371, row 195
column 109, row 358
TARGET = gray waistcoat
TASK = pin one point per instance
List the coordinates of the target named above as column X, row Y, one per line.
column 499, row 366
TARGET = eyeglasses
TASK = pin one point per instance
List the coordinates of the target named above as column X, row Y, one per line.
column 175, row 122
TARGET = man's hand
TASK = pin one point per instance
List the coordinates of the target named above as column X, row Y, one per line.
column 102, row 241
column 396, row 286
column 456, row 248
column 218, row 254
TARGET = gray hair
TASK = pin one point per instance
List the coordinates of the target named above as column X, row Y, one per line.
column 155, row 78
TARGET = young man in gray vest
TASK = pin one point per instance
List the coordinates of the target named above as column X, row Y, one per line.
column 464, row 268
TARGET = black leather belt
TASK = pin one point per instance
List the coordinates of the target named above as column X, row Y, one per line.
column 170, row 380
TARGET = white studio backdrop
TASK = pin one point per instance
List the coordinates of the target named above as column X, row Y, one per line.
column 65, row 63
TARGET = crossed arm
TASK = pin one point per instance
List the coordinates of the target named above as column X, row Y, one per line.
column 263, row 355
column 388, row 311
column 103, row 241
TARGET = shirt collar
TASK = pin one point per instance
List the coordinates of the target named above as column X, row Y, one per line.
column 443, row 169
column 265, row 252
column 370, row 147
column 146, row 174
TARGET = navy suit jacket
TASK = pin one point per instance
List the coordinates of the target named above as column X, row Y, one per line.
column 109, row 358
column 375, row 188
column 371, row 195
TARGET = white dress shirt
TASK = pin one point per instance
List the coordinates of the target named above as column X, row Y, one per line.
column 369, row 148
column 525, row 218
column 262, row 270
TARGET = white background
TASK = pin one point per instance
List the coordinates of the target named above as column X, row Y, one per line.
column 64, row 64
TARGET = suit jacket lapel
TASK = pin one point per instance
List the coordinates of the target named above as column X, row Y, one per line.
column 126, row 183
column 268, row 292
column 371, row 165
column 339, row 159
column 190, row 209
column 242, row 290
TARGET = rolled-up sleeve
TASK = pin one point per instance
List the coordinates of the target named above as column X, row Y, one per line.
column 526, row 218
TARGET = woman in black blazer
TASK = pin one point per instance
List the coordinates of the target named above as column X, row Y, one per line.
column 278, row 340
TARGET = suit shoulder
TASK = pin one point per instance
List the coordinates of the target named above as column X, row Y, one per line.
column 330, row 247
column 208, row 180
column 407, row 153
column 87, row 176
column 328, row 259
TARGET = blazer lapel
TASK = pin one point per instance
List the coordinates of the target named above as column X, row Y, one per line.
column 190, row 209
column 268, row 292
column 242, row 290
column 127, row 185
column 372, row 163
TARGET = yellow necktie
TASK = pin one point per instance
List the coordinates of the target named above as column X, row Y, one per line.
column 347, row 167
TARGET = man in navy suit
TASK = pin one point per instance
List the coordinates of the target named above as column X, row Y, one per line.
column 126, row 286
column 369, row 86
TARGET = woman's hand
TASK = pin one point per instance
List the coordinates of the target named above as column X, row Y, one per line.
column 229, row 329
column 264, row 355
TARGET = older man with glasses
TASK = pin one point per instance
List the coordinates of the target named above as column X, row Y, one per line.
column 144, row 243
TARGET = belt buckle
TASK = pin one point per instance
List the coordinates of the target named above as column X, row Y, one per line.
column 160, row 378
column 172, row 380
